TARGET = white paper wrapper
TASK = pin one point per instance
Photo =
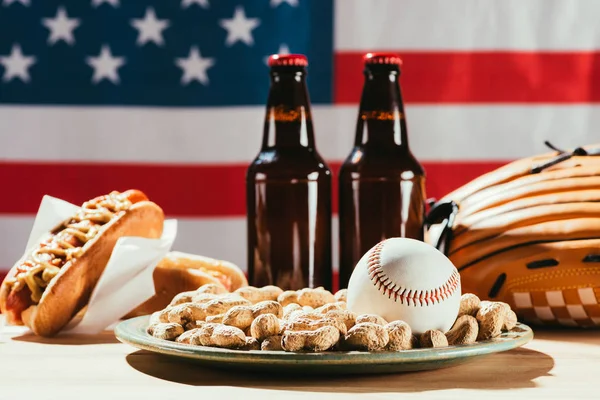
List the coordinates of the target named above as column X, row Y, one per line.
column 127, row 279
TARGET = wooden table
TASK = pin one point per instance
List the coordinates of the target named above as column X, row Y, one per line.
column 555, row 365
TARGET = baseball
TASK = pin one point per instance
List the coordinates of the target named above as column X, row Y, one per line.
column 409, row 280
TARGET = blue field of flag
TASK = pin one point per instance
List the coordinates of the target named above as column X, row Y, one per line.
column 156, row 52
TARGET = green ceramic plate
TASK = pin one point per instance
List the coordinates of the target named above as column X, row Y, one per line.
column 133, row 332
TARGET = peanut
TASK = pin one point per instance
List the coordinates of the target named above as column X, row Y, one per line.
column 341, row 295
column 212, row 288
column 251, row 344
column 338, row 305
column 256, row 295
column 469, row 304
column 314, row 297
column 305, row 324
column 183, row 297
column 215, row 318
column 433, row 338
column 186, row 312
column 376, row 319
column 300, row 314
column 192, row 297
column 150, row 328
column 264, row 326
column 186, row 337
column 272, row 343
column 193, row 325
column 464, row 331
column 166, row 331
column 491, row 318
column 201, row 298
column 242, row 316
column 346, row 316
column 510, row 320
column 155, row 318
column 288, row 297
column 401, row 337
column 222, row 305
column 201, row 332
column 290, row 308
column 163, row 315
column 321, row 339
column 224, row 336
column 367, row 336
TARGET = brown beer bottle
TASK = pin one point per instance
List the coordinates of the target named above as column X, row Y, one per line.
column 288, row 189
column 381, row 184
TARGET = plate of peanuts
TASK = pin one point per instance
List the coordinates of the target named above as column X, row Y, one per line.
column 311, row 331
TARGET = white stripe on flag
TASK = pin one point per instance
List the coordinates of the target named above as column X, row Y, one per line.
column 466, row 25
column 436, row 132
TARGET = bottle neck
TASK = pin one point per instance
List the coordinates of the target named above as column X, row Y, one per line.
column 288, row 121
column 381, row 119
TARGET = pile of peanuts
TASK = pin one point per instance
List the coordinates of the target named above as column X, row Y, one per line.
column 269, row 318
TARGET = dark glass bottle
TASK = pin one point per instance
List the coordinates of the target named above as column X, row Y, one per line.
column 381, row 184
column 288, row 189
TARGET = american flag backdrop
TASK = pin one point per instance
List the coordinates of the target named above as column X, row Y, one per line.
column 168, row 95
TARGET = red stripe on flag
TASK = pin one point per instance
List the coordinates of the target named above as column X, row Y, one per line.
column 482, row 77
column 181, row 190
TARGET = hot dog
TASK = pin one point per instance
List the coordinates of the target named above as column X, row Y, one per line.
column 53, row 281
column 181, row 272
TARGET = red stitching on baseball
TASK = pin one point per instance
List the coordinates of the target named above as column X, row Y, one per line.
column 404, row 295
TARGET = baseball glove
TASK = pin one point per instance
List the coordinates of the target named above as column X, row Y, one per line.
column 528, row 234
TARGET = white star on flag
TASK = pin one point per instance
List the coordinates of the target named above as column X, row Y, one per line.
column 275, row 3
column 150, row 28
column 239, row 27
column 61, row 27
column 194, row 67
column 105, row 65
column 7, row 3
column 187, row 3
column 283, row 49
column 16, row 65
column 114, row 3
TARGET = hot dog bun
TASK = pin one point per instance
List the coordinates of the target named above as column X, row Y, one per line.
column 181, row 272
column 69, row 290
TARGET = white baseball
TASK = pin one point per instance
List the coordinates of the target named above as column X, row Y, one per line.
column 409, row 280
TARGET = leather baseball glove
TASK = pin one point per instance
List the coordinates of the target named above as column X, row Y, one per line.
column 528, row 234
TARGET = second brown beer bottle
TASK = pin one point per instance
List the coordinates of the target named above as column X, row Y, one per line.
column 381, row 184
column 288, row 189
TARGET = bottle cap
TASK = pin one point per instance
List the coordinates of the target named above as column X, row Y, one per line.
column 382, row 58
column 291, row 60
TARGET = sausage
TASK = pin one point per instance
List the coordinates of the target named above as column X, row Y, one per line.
column 17, row 302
